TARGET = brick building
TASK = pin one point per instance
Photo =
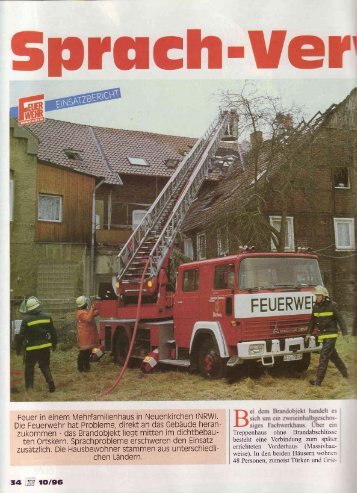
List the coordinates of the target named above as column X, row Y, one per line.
column 319, row 208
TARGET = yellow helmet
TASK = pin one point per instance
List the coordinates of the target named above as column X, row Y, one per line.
column 32, row 303
column 321, row 290
column 81, row 301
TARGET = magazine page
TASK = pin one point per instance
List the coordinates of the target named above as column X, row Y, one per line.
column 178, row 229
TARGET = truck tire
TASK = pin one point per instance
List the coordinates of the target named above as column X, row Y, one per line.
column 210, row 363
column 120, row 346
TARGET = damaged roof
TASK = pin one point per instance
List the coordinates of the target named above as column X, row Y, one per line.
column 109, row 153
column 216, row 203
column 236, row 185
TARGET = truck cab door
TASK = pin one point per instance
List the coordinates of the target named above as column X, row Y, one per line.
column 186, row 306
column 221, row 297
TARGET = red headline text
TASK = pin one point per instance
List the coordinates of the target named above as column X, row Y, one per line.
column 195, row 51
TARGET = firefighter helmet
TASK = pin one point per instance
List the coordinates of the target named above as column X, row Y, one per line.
column 321, row 290
column 23, row 308
column 81, row 301
column 32, row 303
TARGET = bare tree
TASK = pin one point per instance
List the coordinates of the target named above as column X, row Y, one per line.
column 279, row 156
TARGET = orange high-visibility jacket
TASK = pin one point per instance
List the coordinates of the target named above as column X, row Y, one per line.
column 86, row 329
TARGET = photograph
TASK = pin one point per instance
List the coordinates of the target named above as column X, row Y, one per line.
column 194, row 259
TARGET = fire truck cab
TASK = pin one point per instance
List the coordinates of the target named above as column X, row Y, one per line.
column 251, row 306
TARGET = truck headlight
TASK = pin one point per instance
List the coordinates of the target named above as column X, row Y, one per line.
column 256, row 348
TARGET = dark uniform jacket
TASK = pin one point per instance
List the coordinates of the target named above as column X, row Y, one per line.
column 326, row 320
column 37, row 331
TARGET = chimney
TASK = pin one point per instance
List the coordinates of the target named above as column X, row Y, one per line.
column 231, row 133
column 256, row 138
column 288, row 120
column 233, row 123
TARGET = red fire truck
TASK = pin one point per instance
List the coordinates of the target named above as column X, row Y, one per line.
column 222, row 312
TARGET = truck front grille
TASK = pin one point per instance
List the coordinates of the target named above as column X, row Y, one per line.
column 262, row 329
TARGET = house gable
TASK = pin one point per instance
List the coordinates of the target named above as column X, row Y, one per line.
column 74, row 191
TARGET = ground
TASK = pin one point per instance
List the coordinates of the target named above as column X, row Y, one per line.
column 180, row 385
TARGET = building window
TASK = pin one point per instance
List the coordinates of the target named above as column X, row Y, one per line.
column 98, row 224
column 222, row 241
column 188, row 248
column 138, row 161
column 138, row 216
column 201, row 246
column 99, row 214
column 11, row 198
column 275, row 221
column 73, row 154
column 190, row 280
column 50, row 208
column 341, row 177
column 344, row 233
column 172, row 163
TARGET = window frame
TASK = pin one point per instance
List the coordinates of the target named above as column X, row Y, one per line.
column 188, row 248
column 199, row 254
column 290, row 247
column 73, row 154
column 137, row 212
column 348, row 178
column 171, row 163
column 351, row 222
column 196, row 280
column 137, row 161
column 222, row 241
column 228, row 272
column 60, row 197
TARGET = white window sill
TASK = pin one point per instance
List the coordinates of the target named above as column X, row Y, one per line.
column 50, row 221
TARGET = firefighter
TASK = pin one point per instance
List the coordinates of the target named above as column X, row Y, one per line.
column 37, row 336
column 324, row 323
column 86, row 332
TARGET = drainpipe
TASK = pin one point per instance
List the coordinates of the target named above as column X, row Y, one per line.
column 92, row 259
column 110, row 209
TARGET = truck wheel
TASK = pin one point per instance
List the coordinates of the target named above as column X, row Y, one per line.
column 210, row 364
column 301, row 365
column 120, row 347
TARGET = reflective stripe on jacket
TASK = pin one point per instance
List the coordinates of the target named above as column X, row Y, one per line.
column 87, row 329
column 326, row 320
column 321, row 338
column 37, row 331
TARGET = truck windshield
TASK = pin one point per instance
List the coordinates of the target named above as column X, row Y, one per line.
column 278, row 272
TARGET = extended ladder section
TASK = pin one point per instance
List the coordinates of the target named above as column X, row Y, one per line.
column 153, row 239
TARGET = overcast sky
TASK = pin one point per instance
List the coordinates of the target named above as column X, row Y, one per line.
column 174, row 107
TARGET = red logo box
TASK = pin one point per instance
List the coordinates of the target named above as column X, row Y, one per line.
column 31, row 109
